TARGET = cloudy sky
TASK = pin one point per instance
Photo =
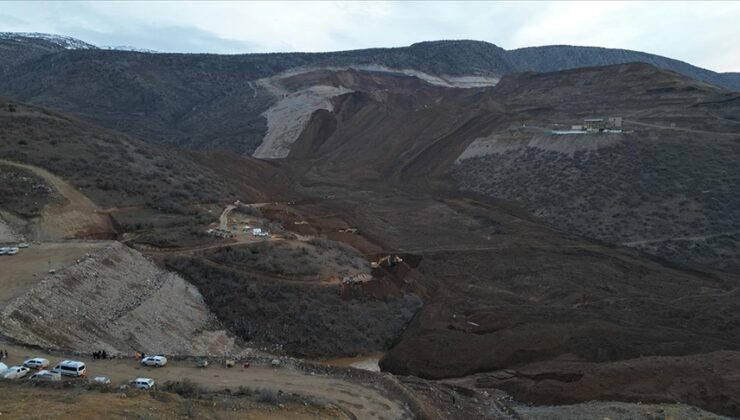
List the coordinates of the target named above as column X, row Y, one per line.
column 702, row 33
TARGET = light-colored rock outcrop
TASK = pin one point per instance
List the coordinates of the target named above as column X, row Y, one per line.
column 568, row 144
column 289, row 116
column 119, row 301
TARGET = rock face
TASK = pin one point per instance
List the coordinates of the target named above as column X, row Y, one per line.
column 119, row 301
column 289, row 116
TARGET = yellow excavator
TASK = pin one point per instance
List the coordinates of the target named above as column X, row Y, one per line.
column 387, row 261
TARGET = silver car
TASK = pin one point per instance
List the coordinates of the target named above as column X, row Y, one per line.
column 156, row 361
column 143, row 383
column 45, row 375
column 36, row 363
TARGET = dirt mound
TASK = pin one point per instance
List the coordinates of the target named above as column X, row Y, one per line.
column 68, row 214
column 116, row 300
column 709, row 380
column 302, row 318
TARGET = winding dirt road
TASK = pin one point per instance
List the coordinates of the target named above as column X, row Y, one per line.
column 363, row 402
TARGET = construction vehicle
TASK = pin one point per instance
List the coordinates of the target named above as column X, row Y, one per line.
column 387, row 261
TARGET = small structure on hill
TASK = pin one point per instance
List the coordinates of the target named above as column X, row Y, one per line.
column 600, row 125
column 594, row 125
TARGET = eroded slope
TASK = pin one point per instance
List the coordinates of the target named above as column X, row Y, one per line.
column 117, row 300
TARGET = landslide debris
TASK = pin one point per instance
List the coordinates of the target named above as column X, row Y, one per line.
column 707, row 380
column 302, row 318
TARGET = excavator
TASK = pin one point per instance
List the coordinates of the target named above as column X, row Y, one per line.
column 387, row 261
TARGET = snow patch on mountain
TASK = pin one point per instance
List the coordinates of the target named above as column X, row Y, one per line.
column 65, row 42
column 129, row 48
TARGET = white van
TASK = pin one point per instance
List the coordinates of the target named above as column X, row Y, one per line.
column 70, row 368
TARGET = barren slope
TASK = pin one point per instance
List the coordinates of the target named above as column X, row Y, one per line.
column 117, row 300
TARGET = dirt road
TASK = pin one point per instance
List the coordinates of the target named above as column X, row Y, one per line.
column 364, row 402
column 76, row 216
column 688, row 130
column 223, row 220
column 680, row 238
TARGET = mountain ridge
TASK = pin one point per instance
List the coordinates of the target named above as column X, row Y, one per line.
column 479, row 57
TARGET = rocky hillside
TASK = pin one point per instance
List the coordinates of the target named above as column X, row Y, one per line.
column 667, row 185
column 116, row 300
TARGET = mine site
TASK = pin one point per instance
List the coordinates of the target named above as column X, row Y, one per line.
column 201, row 226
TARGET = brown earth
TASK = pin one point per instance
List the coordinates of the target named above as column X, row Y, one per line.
column 711, row 380
column 26, row 402
column 72, row 215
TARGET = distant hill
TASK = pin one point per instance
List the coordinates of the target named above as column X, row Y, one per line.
column 562, row 57
column 209, row 101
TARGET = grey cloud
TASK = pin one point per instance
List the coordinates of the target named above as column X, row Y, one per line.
column 10, row 21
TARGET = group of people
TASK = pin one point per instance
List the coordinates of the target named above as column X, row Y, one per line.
column 100, row 355
column 139, row 355
column 3, row 354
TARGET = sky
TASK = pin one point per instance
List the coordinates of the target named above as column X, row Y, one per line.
column 705, row 34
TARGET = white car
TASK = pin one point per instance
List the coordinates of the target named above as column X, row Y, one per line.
column 12, row 251
column 45, row 375
column 36, row 363
column 143, row 383
column 4, row 250
column 23, row 245
column 156, row 361
column 16, row 372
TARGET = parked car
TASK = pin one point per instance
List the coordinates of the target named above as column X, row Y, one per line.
column 46, row 375
column 4, row 250
column 103, row 380
column 12, row 251
column 143, row 383
column 36, row 363
column 157, row 361
column 23, row 245
column 16, row 372
column 70, row 368
column 3, row 368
